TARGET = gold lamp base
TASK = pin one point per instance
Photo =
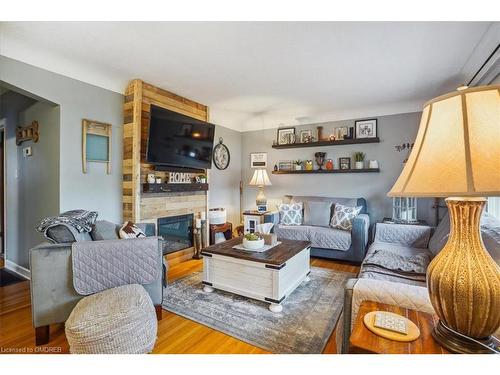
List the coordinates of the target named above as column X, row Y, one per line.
column 464, row 282
column 458, row 344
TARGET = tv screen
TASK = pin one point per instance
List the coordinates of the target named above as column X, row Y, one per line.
column 179, row 140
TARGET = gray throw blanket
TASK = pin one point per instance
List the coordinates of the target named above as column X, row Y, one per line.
column 81, row 220
column 101, row 265
column 411, row 267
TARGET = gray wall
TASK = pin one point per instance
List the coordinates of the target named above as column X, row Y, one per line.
column 37, row 180
column 224, row 185
column 95, row 190
column 392, row 130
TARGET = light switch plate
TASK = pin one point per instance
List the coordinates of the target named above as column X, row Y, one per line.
column 27, row 151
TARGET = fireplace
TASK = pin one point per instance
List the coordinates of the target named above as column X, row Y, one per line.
column 177, row 232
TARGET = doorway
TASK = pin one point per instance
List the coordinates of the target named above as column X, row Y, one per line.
column 2, row 190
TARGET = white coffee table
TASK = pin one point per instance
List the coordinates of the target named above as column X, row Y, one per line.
column 269, row 276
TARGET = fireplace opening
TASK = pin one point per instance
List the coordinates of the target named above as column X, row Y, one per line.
column 176, row 231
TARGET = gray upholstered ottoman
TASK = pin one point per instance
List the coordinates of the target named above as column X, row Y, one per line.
column 120, row 320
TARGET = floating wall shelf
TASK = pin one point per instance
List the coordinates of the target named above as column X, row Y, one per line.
column 329, row 143
column 325, row 171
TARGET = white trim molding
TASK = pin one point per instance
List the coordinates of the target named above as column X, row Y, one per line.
column 16, row 268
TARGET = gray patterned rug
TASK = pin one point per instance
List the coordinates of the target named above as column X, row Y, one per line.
column 308, row 318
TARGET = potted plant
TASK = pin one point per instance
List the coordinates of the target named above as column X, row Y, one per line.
column 298, row 165
column 203, row 178
column 253, row 241
column 359, row 157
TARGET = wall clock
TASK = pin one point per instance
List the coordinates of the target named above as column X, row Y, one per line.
column 221, row 155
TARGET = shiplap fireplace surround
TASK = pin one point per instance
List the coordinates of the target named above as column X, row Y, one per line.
column 139, row 206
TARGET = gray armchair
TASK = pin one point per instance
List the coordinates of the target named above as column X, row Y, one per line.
column 53, row 296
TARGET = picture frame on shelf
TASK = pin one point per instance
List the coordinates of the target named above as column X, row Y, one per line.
column 365, row 128
column 285, row 136
column 258, row 160
column 344, row 163
column 305, row 136
column 341, row 132
column 285, row 165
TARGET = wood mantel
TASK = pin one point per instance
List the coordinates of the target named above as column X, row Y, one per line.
column 137, row 206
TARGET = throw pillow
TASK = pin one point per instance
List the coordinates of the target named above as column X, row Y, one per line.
column 105, row 230
column 343, row 216
column 130, row 230
column 290, row 214
column 317, row 213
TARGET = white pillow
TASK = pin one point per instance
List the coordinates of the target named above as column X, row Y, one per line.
column 130, row 230
column 290, row 214
column 343, row 216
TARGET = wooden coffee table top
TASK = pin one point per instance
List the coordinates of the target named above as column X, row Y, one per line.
column 277, row 256
column 362, row 340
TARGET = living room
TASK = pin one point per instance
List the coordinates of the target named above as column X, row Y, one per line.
column 250, row 187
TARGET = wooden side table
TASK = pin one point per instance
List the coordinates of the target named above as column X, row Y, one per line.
column 363, row 341
column 226, row 229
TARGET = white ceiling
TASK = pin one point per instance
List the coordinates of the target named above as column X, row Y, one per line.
column 257, row 75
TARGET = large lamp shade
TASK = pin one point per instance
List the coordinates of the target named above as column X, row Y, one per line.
column 457, row 149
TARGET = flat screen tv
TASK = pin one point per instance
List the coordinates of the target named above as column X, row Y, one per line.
column 179, row 140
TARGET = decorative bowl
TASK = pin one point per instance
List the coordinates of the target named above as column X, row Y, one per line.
column 253, row 245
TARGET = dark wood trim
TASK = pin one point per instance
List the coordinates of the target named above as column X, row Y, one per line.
column 172, row 188
column 169, row 168
column 275, row 300
column 275, row 267
column 330, row 143
column 325, row 171
column 42, row 335
column 206, row 254
column 159, row 312
column 206, row 283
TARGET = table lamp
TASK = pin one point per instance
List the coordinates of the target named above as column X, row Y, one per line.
column 260, row 179
column 457, row 155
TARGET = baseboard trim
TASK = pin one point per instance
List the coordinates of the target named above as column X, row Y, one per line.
column 16, row 268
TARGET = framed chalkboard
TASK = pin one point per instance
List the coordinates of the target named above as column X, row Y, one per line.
column 96, row 147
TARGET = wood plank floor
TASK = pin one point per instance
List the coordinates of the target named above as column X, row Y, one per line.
column 176, row 335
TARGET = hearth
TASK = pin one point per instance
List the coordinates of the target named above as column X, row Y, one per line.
column 177, row 232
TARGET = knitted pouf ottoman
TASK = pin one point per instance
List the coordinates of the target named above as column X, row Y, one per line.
column 121, row 320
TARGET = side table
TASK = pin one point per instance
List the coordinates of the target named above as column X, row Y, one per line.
column 226, row 229
column 363, row 341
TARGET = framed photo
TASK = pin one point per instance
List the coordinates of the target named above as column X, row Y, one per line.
column 258, row 160
column 341, row 132
column 285, row 165
column 365, row 128
column 305, row 136
column 286, row 136
column 345, row 163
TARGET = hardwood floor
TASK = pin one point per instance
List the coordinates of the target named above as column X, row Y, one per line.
column 176, row 335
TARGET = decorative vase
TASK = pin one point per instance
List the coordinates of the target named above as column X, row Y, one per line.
column 320, row 159
column 463, row 282
column 329, row 164
column 360, row 165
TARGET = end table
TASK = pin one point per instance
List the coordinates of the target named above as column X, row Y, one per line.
column 363, row 341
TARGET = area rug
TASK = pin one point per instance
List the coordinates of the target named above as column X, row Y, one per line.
column 308, row 318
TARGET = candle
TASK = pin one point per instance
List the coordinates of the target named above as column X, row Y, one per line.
column 198, row 223
column 203, row 215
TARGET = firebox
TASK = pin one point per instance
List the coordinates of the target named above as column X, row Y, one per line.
column 177, row 232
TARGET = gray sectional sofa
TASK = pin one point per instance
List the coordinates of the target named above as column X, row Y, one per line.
column 419, row 245
column 327, row 242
